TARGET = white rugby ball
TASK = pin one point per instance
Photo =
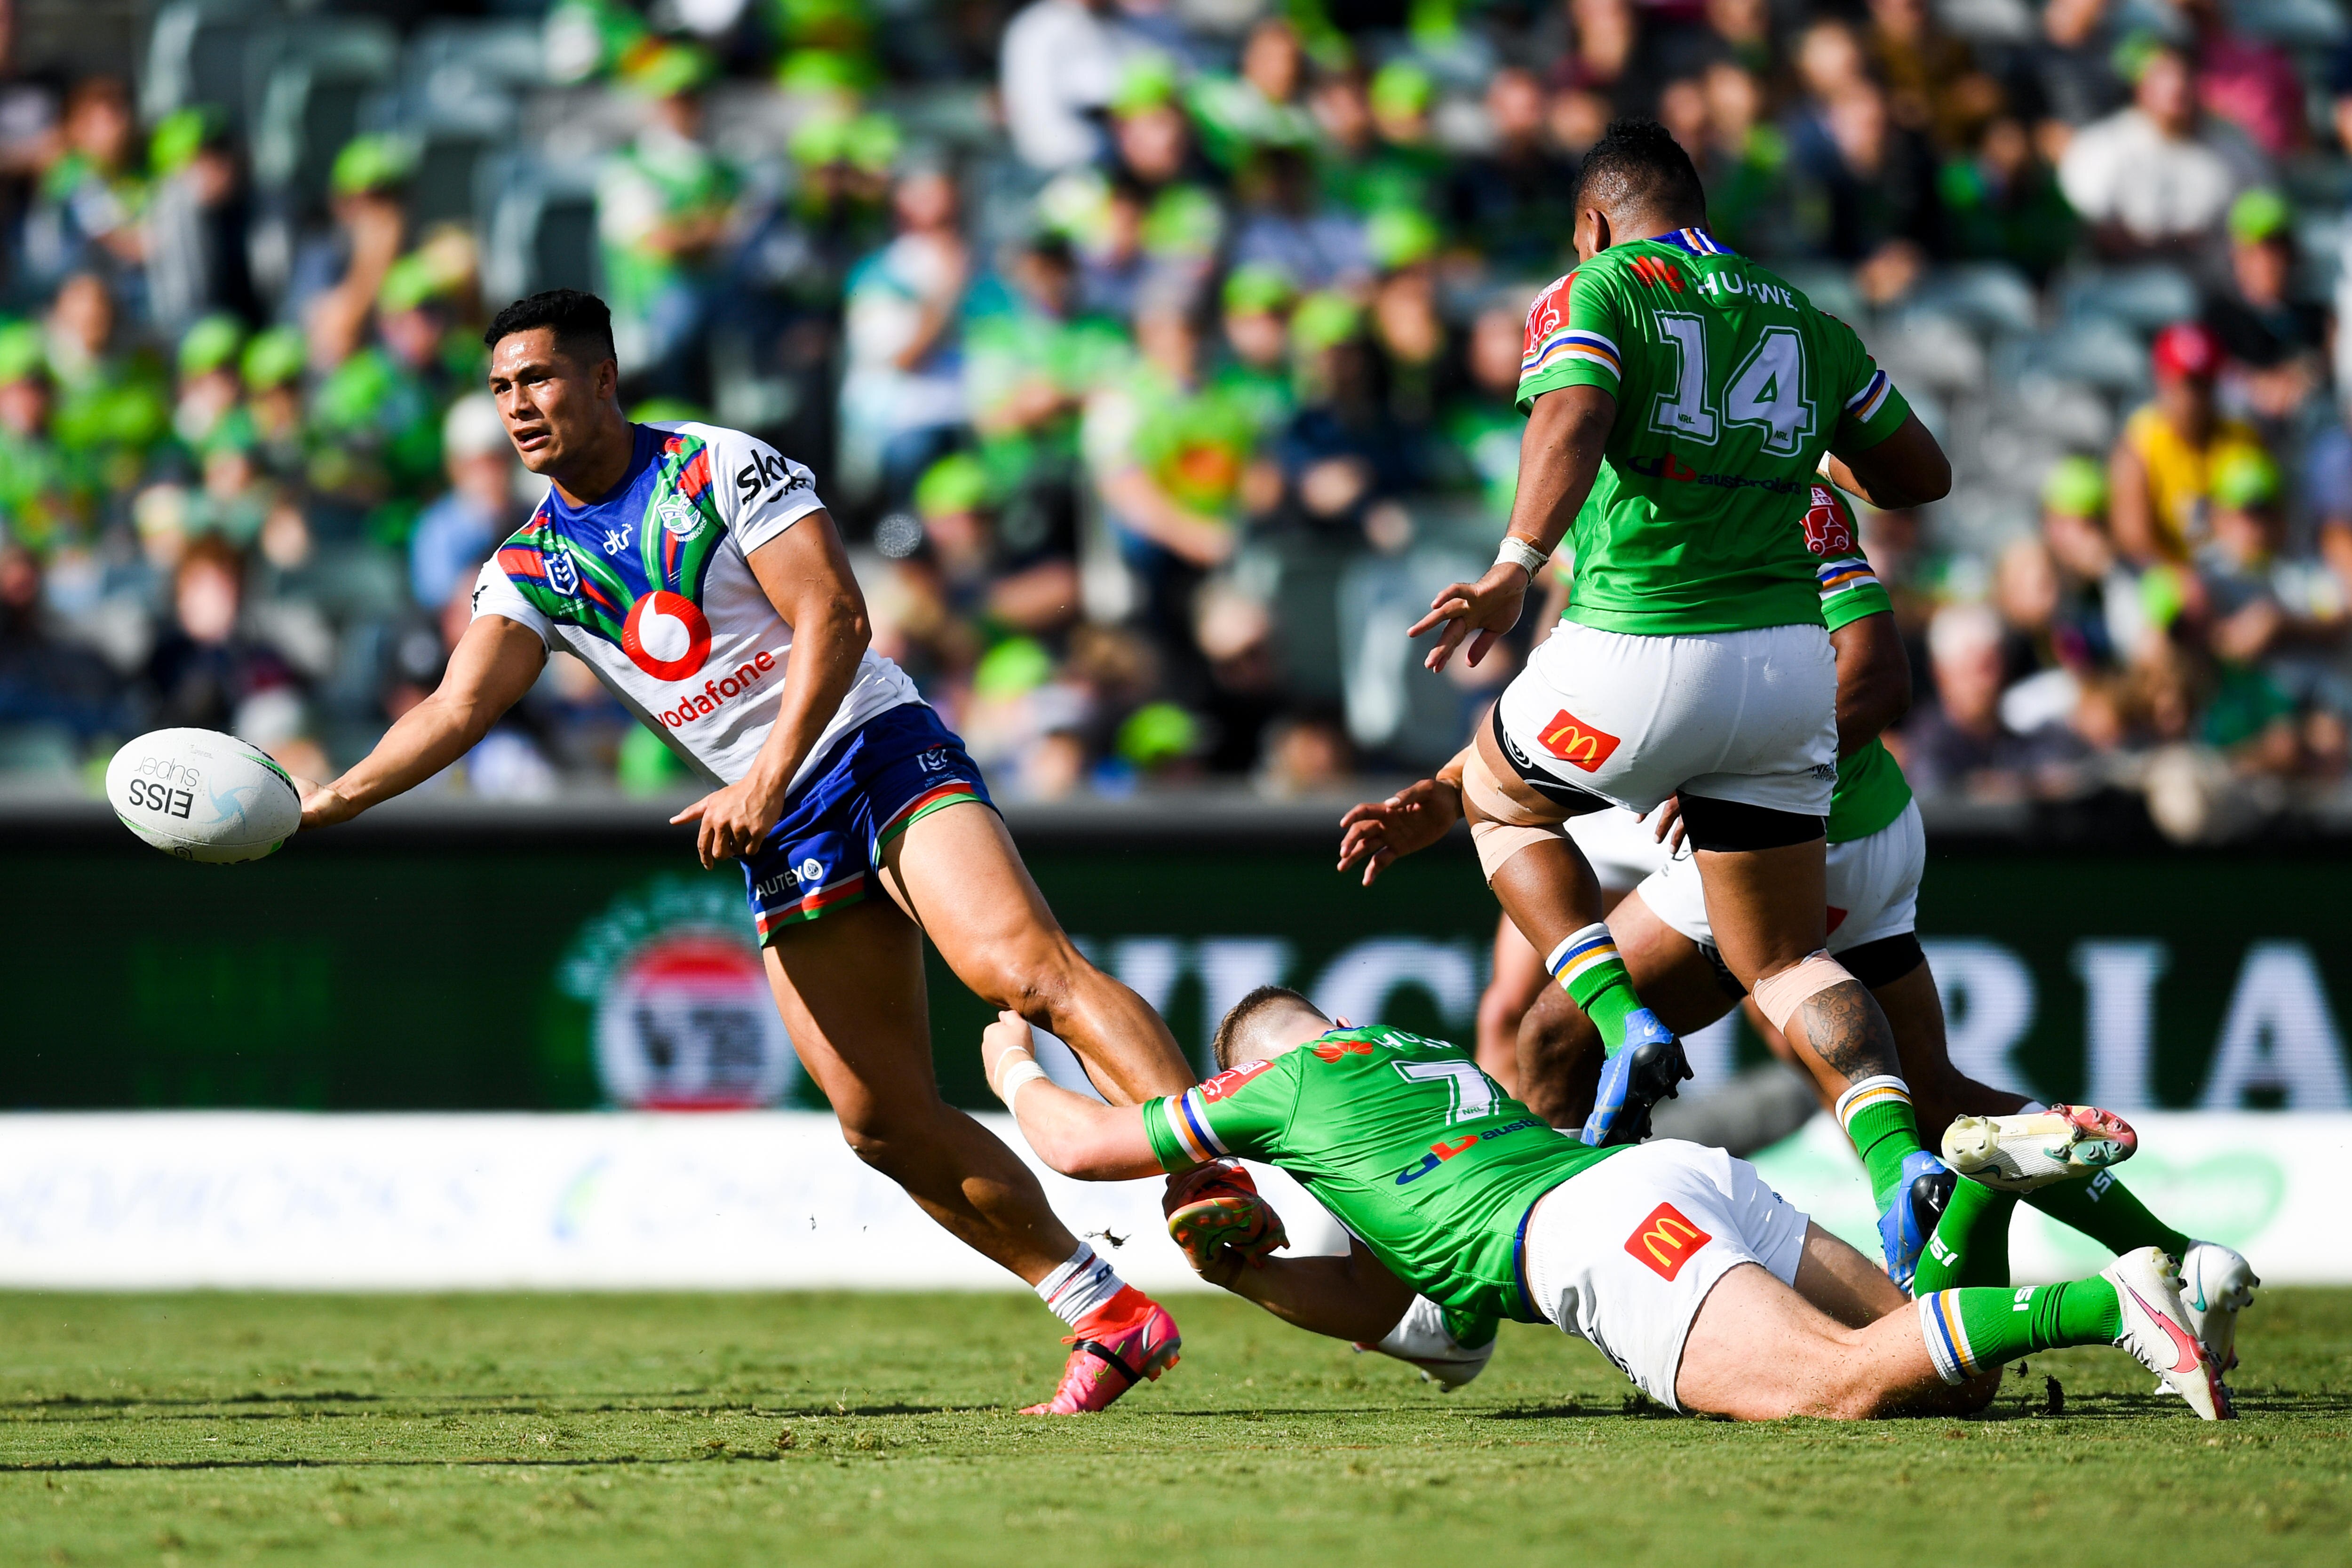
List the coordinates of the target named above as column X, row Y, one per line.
column 199, row 794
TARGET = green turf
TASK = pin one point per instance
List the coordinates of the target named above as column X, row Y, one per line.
column 730, row 1429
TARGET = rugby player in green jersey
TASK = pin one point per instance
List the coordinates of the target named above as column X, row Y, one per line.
column 1676, row 1262
column 1878, row 852
column 1679, row 400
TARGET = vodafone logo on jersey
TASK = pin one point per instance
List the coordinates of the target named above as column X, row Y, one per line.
column 666, row 636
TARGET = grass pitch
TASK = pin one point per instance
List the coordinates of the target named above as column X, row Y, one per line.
column 878, row 1429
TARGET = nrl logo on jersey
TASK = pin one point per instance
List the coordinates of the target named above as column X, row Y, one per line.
column 680, row 518
column 561, row 575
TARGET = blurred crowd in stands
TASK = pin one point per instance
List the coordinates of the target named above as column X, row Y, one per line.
column 1157, row 356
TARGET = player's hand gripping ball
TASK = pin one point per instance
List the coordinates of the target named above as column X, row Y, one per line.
column 198, row 794
column 1215, row 1207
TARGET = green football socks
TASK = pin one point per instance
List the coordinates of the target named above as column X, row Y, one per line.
column 1971, row 1245
column 1877, row 1117
column 2101, row 1208
column 1589, row 969
column 1971, row 1330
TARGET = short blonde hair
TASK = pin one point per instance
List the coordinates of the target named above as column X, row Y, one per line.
column 1238, row 1033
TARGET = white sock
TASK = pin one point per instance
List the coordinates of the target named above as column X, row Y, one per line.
column 1080, row 1286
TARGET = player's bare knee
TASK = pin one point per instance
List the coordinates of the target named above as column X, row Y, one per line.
column 1032, row 975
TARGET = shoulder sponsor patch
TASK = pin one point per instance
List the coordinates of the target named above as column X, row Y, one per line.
column 1231, row 1078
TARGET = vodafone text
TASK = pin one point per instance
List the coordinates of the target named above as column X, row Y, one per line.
column 716, row 694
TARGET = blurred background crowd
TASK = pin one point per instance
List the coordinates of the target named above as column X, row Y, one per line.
column 1157, row 356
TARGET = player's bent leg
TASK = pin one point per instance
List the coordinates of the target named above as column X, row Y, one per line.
column 958, row 874
column 1517, row 980
column 850, row 987
column 1844, row 1284
column 1898, row 974
column 1766, row 902
column 1758, row 1351
column 2217, row 1282
column 1558, row 1047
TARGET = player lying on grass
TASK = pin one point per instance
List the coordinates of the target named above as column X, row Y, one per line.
column 695, row 571
column 1679, row 398
column 1876, row 854
column 1677, row 1262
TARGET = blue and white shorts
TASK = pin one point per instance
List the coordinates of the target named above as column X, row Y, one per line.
column 878, row 780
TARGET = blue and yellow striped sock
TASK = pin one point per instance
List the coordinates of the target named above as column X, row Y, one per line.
column 1878, row 1120
column 1589, row 969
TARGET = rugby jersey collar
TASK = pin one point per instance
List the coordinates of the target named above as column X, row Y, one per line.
column 1696, row 241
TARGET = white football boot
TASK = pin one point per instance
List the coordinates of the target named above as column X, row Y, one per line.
column 2157, row 1332
column 1420, row 1340
column 2034, row 1148
column 2215, row 1284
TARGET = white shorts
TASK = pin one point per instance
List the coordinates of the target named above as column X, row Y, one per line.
column 1747, row 716
column 1624, row 848
column 1872, row 885
column 1623, row 1255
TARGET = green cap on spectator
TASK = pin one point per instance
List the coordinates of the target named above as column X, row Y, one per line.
column 408, row 283
column 274, row 358
column 2261, row 214
column 370, row 163
column 1400, row 237
column 668, row 69
column 1012, row 667
column 1257, row 288
column 2133, row 54
column 1157, row 732
column 1402, row 88
column 2244, row 478
column 1322, row 320
column 955, row 483
column 868, row 142
column 179, row 136
column 211, row 343
column 2076, row 486
column 824, row 73
column 1148, row 81
column 2162, row 595
column 22, row 355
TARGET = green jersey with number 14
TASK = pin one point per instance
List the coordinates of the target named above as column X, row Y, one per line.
column 1729, row 385
column 1415, row 1150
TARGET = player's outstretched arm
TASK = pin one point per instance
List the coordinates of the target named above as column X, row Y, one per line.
column 1075, row 1135
column 1353, row 1297
column 1873, row 680
column 806, row 575
column 1379, row 832
column 1907, row 468
column 494, row 664
column 1559, row 457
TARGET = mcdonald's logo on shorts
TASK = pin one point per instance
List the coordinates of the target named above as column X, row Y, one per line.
column 1666, row 1241
column 1576, row 742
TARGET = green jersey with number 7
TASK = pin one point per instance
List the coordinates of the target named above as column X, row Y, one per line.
column 1729, row 385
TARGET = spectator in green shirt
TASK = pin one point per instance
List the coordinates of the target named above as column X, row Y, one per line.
column 664, row 205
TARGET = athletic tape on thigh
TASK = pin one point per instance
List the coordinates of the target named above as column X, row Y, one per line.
column 1779, row 997
column 1501, row 826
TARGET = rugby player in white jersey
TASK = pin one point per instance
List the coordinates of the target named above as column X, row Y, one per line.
column 695, row 571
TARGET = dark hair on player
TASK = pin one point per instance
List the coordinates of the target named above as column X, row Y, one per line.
column 582, row 323
column 1235, row 1036
column 1638, row 163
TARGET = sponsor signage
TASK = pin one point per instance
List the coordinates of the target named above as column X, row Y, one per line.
column 774, row 1200
column 479, row 970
